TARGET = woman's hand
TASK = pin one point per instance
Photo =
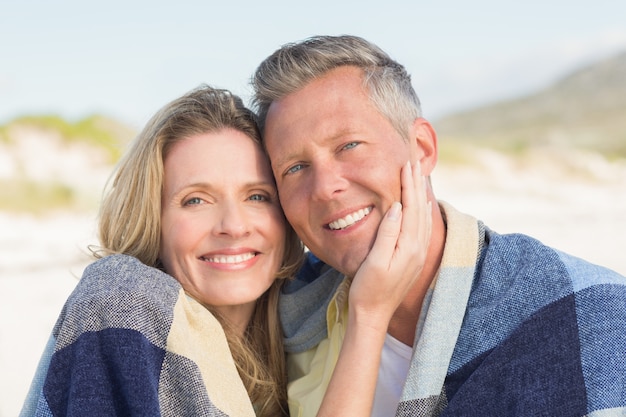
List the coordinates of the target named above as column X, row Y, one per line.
column 398, row 255
column 392, row 267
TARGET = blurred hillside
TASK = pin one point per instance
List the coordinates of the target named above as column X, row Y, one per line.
column 47, row 162
column 584, row 111
column 575, row 128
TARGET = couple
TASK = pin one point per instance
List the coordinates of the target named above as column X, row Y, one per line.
column 405, row 309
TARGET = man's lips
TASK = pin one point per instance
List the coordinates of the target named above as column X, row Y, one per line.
column 350, row 219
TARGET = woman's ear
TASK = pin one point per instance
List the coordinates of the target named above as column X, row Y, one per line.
column 423, row 144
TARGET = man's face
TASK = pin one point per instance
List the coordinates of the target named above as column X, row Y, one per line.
column 337, row 164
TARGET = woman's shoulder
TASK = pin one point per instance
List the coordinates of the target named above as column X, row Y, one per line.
column 118, row 291
column 124, row 273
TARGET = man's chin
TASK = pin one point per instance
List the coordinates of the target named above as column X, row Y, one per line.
column 350, row 265
column 347, row 262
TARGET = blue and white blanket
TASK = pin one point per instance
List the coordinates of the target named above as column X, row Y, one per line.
column 130, row 342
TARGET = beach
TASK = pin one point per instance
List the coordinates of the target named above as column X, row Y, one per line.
column 42, row 257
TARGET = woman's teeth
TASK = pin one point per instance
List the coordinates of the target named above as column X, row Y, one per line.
column 230, row 259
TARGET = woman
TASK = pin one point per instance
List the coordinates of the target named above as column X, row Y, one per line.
column 179, row 316
column 213, row 181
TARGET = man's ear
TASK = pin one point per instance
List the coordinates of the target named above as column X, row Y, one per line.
column 424, row 144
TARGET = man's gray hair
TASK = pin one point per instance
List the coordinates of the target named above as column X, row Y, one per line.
column 294, row 65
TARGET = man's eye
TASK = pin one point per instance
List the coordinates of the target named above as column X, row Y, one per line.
column 258, row 197
column 350, row 145
column 294, row 169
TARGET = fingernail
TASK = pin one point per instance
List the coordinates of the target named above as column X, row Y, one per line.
column 395, row 210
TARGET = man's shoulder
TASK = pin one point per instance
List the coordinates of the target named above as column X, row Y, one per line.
column 518, row 252
column 304, row 302
column 311, row 269
column 547, row 310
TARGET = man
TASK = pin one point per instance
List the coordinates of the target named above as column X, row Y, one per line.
column 494, row 324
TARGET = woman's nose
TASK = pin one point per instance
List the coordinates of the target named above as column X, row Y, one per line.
column 232, row 221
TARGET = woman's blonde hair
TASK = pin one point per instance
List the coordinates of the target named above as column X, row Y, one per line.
column 130, row 223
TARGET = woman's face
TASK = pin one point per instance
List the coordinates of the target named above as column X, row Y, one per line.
column 223, row 230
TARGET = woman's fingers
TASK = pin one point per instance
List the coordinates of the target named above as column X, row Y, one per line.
column 385, row 245
column 399, row 251
column 417, row 216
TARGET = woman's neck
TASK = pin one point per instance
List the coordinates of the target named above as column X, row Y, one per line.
column 238, row 316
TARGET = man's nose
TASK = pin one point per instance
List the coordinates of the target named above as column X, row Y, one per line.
column 327, row 181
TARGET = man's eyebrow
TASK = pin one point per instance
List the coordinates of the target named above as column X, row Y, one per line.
column 279, row 163
column 293, row 156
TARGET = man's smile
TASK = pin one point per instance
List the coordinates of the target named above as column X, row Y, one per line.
column 350, row 219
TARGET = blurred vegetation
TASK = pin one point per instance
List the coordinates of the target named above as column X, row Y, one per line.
column 99, row 131
column 22, row 194
column 455, row 153
column 34, row 197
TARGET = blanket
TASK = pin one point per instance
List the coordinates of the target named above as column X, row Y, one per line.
column 512, row 327
column 130, row 342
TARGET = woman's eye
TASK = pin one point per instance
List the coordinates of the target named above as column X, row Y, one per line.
column 192, row 201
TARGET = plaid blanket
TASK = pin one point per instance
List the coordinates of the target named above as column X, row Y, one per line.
column 130, row 342
column 519, row 329
column 511, row 328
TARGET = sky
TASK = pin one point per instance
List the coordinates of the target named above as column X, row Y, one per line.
column 126, row 59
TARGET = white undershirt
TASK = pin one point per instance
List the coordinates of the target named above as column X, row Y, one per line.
column 394, row 367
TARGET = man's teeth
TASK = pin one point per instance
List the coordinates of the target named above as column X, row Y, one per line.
column 230, row 259
column 350, row 219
